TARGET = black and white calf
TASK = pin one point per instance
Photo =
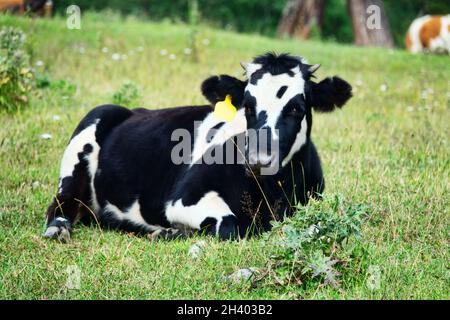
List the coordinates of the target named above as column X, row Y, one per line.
column 118, row 166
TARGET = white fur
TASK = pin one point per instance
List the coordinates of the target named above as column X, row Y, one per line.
column 300, row 140
column 414, row 33
column 132, row 215
column 70, row 158
column 211, row 205
column 226, row 131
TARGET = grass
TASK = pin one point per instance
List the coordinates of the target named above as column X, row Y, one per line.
column 388, row 149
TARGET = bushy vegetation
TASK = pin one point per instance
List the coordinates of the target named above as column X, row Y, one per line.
column 16, row 74
column 320, row 239
column 127, row 94
column 262, row 16
column 387, row 150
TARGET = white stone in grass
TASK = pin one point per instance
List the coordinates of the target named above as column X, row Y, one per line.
column 35, row 184
column 46, row 136
column 196, row 249
column 241, row 275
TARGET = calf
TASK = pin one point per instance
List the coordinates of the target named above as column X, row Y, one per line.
column 429, row 34
column 125, row 168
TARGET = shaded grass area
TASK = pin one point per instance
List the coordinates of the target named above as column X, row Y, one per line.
column 387, row 149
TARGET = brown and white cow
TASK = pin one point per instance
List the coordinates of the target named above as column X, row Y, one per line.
column 429, row 34
column 40, row 7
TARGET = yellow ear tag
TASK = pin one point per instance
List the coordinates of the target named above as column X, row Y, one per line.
column 224, row 110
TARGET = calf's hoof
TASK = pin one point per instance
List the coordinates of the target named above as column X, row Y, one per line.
column 59, row 229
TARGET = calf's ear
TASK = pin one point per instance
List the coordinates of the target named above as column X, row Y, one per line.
column 216, row 88
column 328, row 94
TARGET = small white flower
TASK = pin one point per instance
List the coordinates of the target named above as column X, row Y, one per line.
column 35, row 184
column 82, row 50
column 359, row 83
column 124, row 57
column 131, row 52
column 115, row 56
column 163, row 52
column 56, row 117
column 410, row 109
column 172, row 56
column 424, row 94
column 383, row 87
column 105, row 50
column 140, row 48
column 46, row 136
column 39, row 63
column 206, row 41
column 187, row 51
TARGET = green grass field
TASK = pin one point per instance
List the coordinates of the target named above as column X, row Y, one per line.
column 388, row 149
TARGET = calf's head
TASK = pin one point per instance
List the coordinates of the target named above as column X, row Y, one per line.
column 278, row 97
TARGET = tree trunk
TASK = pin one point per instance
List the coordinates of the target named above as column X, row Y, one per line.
column 370, row 23
column 300, row 16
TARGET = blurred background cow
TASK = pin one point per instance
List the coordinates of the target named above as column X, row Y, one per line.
column 38, row 7
column 429, row 34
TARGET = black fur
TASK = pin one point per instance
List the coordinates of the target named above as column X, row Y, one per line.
column 216, row 88
column 328, row 94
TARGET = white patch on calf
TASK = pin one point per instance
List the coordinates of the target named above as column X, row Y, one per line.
column 70, row 158
column 132, row 215
column 221, row 135
column 300, row 140
column 211, row 205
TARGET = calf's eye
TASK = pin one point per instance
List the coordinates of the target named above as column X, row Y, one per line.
column 294, row 112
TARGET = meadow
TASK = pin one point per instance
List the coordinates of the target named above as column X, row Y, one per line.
column 388, row 149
